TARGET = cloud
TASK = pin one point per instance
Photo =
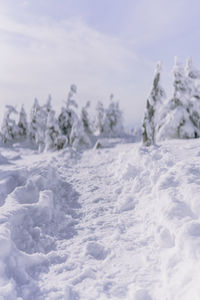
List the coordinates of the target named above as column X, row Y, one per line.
column 112, row 52
column 47, row 58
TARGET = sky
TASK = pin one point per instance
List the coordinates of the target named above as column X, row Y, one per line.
column 102, row 46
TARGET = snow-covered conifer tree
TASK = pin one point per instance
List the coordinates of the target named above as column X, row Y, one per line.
column 9, row 129
column 193, row 75
column 79, row 139
column 181, row 83
column 154, row 101
column 175, row 117
column 190, row 70
column 52, row 134
column 48, row 106
column 22, row 124
column 100, row 117
column 37, row 126
column 68, row 116
column 85, row 119
column 33, row 121
column 109, row 121
column 113, row 121
column 41, row 120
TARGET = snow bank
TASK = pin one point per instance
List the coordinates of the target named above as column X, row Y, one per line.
column 33, row 215
column 178, row 230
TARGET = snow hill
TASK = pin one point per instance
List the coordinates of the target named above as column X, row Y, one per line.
column 115, row 223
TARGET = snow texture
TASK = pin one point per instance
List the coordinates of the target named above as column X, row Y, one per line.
column 114, row 223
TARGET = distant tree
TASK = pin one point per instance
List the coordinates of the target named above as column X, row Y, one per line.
column 22, row 124
column 85, row 119
column 48, row 106
column 190, row 70
column 79, row 139
column 68, row 116
column 109, row 121
column 154, row 101
column 9, row 129
column 41, row 122
column 33, row 121
column 53, row 135
column 100, row 115
column 37, row 127
column 113, row 121
column 182, row 84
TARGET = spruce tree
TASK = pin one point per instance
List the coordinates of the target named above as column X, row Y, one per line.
column 68, row 116
column 41, row 120
column 22, row 124
column 52, row 133
column 154, row 100
column 48, row 106
column 85, row 119
column 33, row 121
column 9, row 129
column 193, row 75
column 176, row 117
column 100, row 115
column 113, row 119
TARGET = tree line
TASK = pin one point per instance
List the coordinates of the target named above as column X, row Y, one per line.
column 177, row 117
column 46, row 131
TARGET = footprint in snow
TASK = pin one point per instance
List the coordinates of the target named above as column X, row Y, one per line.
column 96, row 251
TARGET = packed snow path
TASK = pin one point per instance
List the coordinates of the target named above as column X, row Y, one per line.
column 115, row 223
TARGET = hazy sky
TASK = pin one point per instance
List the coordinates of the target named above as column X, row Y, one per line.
column 103, row 46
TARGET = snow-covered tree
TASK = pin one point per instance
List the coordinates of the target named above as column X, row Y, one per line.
column 190, row 70
column 68, row 116
column 100, row 115
column 53, row 138
column 182, row 84
column 33, row 121
column 109, row 121
column 85, row 119
column 23, row 123
column 79, row 139
column 9, row 129
column 41, row 120
column 113, row 122
column 48, row 106
column 154, row 101
column 178, row 118
column 37, row 127
column 193, row 108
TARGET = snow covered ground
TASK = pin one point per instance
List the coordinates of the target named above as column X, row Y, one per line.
column 114, row 223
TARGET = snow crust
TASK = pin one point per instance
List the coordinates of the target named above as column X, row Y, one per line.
column 121, row 222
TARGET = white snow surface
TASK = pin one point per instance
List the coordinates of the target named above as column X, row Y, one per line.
column 115, row 223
